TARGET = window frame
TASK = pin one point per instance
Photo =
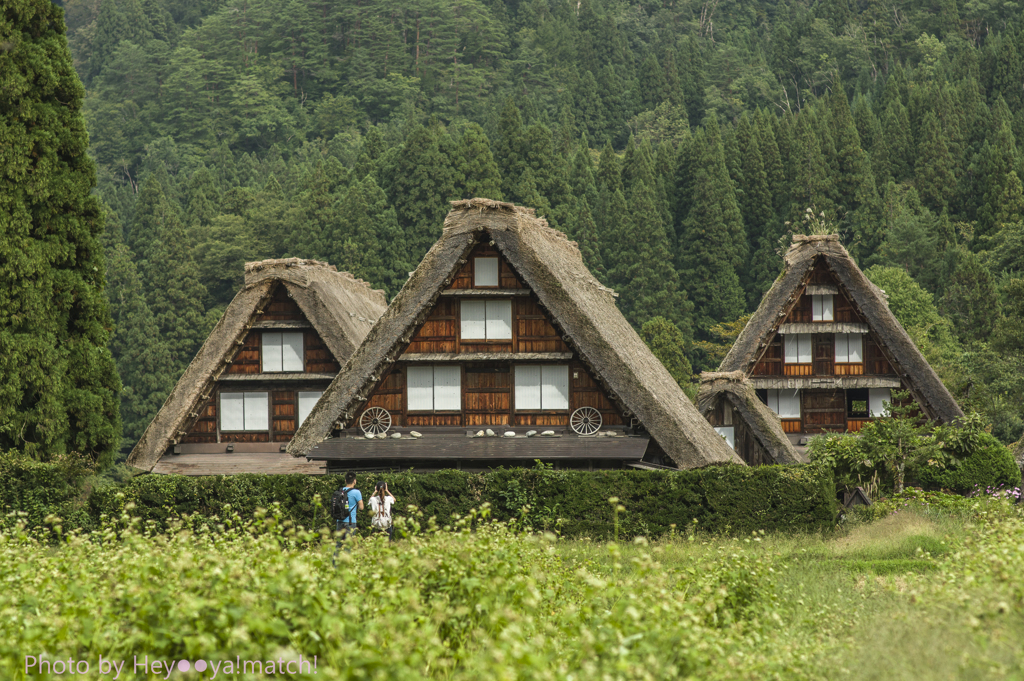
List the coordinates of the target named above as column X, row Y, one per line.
column 497, row 271
column 245, row 429
column 771, row 395
column 818, row 308
column 846, row 340
column 281, row 335
column 299, row 418
column 487, row 320
column 541, row 409
column 433, row 389
column 799, row 339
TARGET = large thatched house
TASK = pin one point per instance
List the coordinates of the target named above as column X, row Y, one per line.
column 730, row 404
column 502, row 328
column 268, row 360
column 824, row 351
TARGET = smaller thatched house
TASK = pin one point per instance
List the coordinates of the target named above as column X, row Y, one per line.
column 503, row 349
column 824, row 351
column 730, row 404
column 261, row 371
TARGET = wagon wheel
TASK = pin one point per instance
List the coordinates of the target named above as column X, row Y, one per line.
column 375, row 420
column 585, row 421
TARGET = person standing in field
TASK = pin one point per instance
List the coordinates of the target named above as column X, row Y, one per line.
column 346, row 501
column 380, row 505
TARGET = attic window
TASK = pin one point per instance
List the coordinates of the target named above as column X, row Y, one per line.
column 542, row 388
column 244, row 412
column 486, row 319
column 729, row 434
column 485, row 271
column 282, row 352
column 849, row 348
column 877, row 397
column 798, row 348
column 821, row 308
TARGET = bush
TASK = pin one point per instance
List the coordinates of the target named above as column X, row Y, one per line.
column 990, row 464
column 733, row 499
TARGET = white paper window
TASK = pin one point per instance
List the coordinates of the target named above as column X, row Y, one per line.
column 419, row 381
column 282, row 351
column 849, row 347
column 877, row 397
column 434, row 388
column 821, row 308
column 785, row 403
column 486, row 319
column 244, row 411
column 307, row 400
column 544, row 387
column 798, row 348
column 485, row 272
column 729, row 433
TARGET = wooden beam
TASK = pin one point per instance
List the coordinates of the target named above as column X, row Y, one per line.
column 485, row 356
column 493, row 292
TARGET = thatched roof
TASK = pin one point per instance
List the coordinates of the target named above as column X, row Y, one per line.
column 341, row 308
column 914, row 370
column 581, row 308
column 763, row 422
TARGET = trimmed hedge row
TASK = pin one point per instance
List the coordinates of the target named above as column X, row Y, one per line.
column 729, row 499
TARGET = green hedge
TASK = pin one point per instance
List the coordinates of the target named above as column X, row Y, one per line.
column 731, row 499
column 991, row 464
column 38, row 489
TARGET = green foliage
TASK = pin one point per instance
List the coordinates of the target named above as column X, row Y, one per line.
column 990, row 464
column 669, row 345
column 727, row 499
column 58, row 384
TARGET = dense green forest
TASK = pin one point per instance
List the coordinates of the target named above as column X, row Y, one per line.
column 680, row 143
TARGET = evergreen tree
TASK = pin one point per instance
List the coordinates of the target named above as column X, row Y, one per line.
column 713, row 248
column 934, row 176
column 582, row 181
column 648, row 284
column 898, row 142
column 424, row 184
column 476, row 166
column 203, row 199
column 669, row 345
column 856, row 194
column 811, row 185
column 58, row 383
column 143, row 358
column 970, row 298
column 508, row 149
column 584, row 231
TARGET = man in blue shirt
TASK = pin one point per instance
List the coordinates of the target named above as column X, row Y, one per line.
column 347, row 525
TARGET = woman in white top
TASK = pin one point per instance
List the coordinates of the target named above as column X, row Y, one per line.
column 380, row 506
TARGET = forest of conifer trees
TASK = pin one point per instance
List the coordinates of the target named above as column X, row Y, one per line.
column 679, row 143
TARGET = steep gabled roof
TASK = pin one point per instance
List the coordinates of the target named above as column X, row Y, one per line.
column 341, row 308
column 763, row 422
column 581, row 308
column 914, row 370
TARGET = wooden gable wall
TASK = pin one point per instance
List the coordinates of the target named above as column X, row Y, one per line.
column 283, row 399
column 488, row 392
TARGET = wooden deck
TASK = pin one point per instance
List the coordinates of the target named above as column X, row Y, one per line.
column 224, row 463
column 460, row 447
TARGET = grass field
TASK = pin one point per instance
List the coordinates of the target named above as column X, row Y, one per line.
column 920, row 594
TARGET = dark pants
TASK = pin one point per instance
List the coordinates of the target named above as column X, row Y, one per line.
column 345, row 530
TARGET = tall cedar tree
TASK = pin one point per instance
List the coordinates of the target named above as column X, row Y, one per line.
column 476, row 166
column 58, row 383
column 584, row 232
column 424, row 184
column 856, row 194
column 935, row 180
column 647, row 282
column 713, row 248
column 669, row 345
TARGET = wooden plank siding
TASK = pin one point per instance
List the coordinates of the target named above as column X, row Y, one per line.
column 488, row 382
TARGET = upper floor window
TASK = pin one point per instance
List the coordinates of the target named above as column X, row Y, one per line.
column 729, row 433
column 244, row 411
column 542, row 387
column 307, row 400
column 282, row 351
column 849, row 348
column 434, row 387
column 485, row 271
column 877, row 397
column 486, row 319
column 798, row 348
column 821, row 308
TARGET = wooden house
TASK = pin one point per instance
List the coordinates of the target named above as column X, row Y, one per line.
column 730, row 404
column 264, row 366
column 502, row 328
column 824, row 351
